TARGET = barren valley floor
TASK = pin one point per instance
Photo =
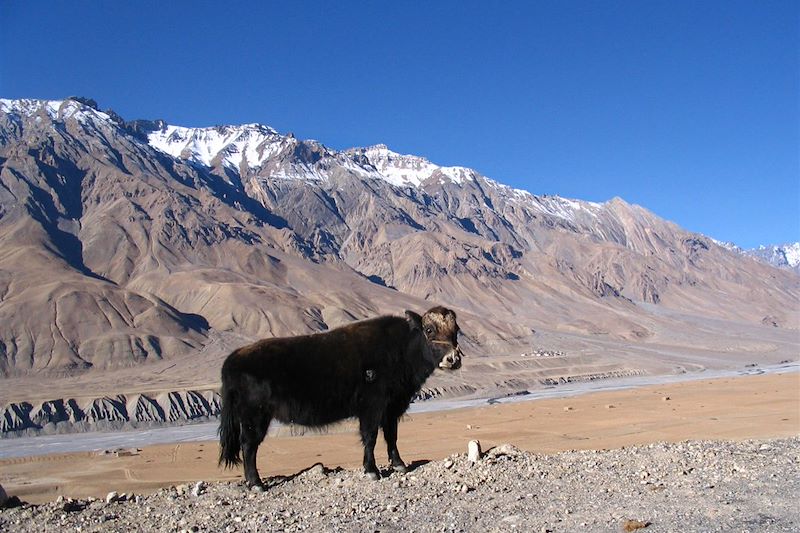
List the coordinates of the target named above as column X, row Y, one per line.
column 735, row 408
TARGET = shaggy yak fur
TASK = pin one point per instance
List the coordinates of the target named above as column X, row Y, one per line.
column 369, row 370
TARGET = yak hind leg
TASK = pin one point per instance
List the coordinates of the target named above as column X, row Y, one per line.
column 390, row 435
column 368, row 425
column 253, row 432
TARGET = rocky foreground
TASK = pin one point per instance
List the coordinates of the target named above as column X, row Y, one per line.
column 688, row 486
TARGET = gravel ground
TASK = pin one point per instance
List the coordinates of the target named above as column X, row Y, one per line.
column 688, row 486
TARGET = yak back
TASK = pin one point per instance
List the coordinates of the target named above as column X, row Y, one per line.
column 318, row 379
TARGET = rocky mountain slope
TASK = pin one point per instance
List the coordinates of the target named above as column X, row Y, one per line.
column 146, row 245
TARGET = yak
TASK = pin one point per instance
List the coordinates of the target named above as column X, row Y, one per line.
column 369, row 370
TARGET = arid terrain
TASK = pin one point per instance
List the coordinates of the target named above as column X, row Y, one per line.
column 135, row 255
column 726, row 408
column 676, row 456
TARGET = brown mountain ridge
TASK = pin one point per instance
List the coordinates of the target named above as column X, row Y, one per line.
column 134, row 256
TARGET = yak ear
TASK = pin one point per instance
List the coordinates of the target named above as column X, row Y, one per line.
column 414, row 320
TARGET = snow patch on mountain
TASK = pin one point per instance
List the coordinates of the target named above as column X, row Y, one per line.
column 727, row 245
column 229, row 145
column 783, row 255
column 54, row 109
column 409, row 170
column 792, row 254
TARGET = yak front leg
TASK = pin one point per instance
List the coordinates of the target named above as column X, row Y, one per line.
column 390, row 435
column 369, row 435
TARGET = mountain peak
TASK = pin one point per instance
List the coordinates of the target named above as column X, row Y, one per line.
column 229, row 145
column 403, row 170
column 781, row 255
column 76, row 107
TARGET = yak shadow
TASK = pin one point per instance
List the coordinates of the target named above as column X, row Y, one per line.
column 413, row 465
column 410, row 467
column 276, row 481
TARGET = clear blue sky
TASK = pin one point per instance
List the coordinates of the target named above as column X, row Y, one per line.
column 688, row 108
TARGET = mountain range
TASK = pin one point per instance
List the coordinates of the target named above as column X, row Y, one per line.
column 135, row 254
column 786, row 256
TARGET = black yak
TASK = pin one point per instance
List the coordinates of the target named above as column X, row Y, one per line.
column 369, row 370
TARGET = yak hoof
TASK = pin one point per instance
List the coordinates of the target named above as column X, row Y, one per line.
column 400, row 469
column 373, row 476
column 256, row 487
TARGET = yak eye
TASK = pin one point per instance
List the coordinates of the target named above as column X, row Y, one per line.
column 428, row 330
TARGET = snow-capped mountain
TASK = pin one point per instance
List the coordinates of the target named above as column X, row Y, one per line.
column 123, row 242
column 250, row 148
column 786, row 256
column 780, row 255
column 233, row 146
column 409, row 170
column 54, row 109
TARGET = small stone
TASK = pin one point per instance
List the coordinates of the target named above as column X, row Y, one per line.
column 112, row 496
column 448, row 463
column 464, row 489
column 610, row 406
column 665, row 399
column 198, row 488
column 474, row 451
column 568, row 408
column 633, row 525
column 316, row 472
column 504, row 449
column 391, row 508
column 72, row 506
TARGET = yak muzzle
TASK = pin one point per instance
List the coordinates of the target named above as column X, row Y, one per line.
column 452, row 360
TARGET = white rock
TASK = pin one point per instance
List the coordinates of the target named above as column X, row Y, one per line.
column 198, row 488
column 504, row 449
column 474, row 451
column 112, row 496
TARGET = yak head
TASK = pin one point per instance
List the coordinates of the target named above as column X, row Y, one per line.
column 439, row 327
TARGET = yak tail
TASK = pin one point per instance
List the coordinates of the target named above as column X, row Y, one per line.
column 229, row 427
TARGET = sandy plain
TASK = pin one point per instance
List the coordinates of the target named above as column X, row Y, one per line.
column 727, row 408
